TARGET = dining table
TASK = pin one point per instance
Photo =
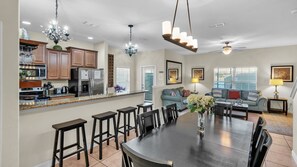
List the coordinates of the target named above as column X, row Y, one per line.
column 226, row 142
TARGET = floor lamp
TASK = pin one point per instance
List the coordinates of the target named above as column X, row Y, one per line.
column 276, row 82
column 195, row 81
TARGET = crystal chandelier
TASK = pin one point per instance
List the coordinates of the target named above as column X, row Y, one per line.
column 130, row 48
column 54, row 32
column 172, row 34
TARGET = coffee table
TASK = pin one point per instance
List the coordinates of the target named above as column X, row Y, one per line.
column 243, row 107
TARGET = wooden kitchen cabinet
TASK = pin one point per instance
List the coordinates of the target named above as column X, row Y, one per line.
column 83, row 57
column 58, row 64
column 40, row 51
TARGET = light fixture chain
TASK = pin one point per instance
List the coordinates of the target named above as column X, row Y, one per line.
column 189, row 17
column 130, row 33
column 56, row 10
column 174, row 15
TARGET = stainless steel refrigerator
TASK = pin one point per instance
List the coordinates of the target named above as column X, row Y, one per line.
column 86, row 82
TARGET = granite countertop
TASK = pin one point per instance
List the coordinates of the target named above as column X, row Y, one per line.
column 62, row 95
column 49, row 103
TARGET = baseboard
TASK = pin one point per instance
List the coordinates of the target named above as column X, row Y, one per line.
column 44, row 164
column 294, row 156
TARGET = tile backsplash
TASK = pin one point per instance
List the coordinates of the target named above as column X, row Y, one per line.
column 56, row 83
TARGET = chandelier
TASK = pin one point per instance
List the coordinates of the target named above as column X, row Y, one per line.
column 173, row 34
column 54, row 32
column 130, row 48
column 227, row 49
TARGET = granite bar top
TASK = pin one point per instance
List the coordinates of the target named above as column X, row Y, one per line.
column 61, row 95
column 49, row 103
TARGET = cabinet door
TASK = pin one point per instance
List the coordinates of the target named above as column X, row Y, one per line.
column 52, row 64
column 77, row 57
column 64, row 65
column 90, row 59
column 39, row 54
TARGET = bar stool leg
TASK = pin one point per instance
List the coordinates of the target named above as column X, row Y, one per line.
column 115, row 133
column 138, row 110
column 100, row 140
column 55, row 148
column 151, row 108
column 93, row 135
column 118, row 125
column 128, row 124
column 108, row 131
column 78, row 142
column 135, row 122
column 85, row 145
column 61, row 149
column 125, row 133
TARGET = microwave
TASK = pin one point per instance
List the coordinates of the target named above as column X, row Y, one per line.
column 33, row 72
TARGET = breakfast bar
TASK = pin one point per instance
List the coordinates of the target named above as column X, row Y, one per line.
column 36, row 121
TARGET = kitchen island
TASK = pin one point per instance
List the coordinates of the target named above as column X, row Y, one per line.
column 37, row 134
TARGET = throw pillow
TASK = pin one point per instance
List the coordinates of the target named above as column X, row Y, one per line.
column 186, row 93
column 217, row 93
column 173, row 93
column 234, row 94
column 253, row 96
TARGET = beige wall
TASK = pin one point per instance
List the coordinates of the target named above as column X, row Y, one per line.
column 9, row 16
column 263, row 59
column 294, row 151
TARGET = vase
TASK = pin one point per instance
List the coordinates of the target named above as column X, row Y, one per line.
column 200, row 125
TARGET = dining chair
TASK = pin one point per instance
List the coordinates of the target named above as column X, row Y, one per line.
column 169, row 113
column 219, row 109
column 255, row 139
column 264, row 144
column 133, row 159
column 147, row 121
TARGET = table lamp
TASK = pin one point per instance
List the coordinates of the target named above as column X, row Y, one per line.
column 172, row 80
column 276, row 82
column 195, row 81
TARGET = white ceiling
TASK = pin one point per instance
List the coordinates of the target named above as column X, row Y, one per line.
column 248, row 23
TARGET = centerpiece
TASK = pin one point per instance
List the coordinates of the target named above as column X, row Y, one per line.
column 200, row 104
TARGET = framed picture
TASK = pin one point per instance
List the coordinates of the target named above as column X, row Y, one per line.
column 284, row 72
column 198, row 73
column 173, row 73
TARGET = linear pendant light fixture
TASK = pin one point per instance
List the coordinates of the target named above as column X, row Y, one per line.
column 173, row 34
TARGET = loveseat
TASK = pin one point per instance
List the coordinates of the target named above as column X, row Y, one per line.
column 176, row 95
column 253, row 97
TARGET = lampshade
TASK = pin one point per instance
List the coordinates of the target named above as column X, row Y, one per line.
column 276, row 82
column 172, row 80
column 195, row 80
column 227, row 50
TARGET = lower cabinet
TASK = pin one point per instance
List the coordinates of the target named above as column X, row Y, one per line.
column 58, row 64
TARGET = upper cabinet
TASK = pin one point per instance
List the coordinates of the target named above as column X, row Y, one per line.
column 38, row 53
column 58, row 64
column 83, row 57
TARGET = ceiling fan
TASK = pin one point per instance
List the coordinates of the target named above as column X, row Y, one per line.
column 227, row 48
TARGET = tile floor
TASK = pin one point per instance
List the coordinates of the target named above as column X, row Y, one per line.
column 279, row 154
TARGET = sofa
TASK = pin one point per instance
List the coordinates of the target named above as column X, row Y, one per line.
column 253, row 98
column 176, row 95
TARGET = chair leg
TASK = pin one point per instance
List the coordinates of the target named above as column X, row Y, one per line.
column 61, row 149
column 115, row 133
column 107, row 131
column 85, row 146
column 93, row 136
column 125, row 126
column 78, row 142
column 138, row 110
column 135, row 122
column 100, row 140
column 55, row 148
column 128, row 124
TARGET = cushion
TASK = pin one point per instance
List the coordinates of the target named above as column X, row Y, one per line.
column 217, row 93
column 244, row 94
column 253, row 96
column 180, row 89
column 172, row 93
column 234, row 94
column 250, row 103
column 167, row 92
column 186, row 93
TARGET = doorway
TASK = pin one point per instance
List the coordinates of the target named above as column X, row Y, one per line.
column 148, row 74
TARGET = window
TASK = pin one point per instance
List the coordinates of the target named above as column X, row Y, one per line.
column 123, row 79
column 236, row 78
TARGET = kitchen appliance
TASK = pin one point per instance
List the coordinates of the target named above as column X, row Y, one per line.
column 86, row 82
column 32, row 72
column 32, row 96
column 57, row 91
column 64, row 90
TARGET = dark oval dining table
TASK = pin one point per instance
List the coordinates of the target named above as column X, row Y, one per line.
column 226, row 142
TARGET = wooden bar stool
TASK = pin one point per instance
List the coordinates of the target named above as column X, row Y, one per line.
column 66, row 126
column 126, row 112
column 104, row 117
column 144, row 107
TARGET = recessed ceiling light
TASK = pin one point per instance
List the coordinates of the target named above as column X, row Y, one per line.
column 90, row 38
column 26, row 22
column 217, row 25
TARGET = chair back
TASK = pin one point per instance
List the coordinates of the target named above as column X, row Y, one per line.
column 261, row 123
column 148, row 121
column 134, row 159
column 264, row 144
column 219, row 109
column 169, row 113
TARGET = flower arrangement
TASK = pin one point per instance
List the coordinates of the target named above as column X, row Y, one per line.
column 119, row 88
column 199, row 103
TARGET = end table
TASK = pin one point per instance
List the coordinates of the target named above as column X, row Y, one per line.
column 285, row 105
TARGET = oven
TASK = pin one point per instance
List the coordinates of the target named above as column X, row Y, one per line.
column 32, row 72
